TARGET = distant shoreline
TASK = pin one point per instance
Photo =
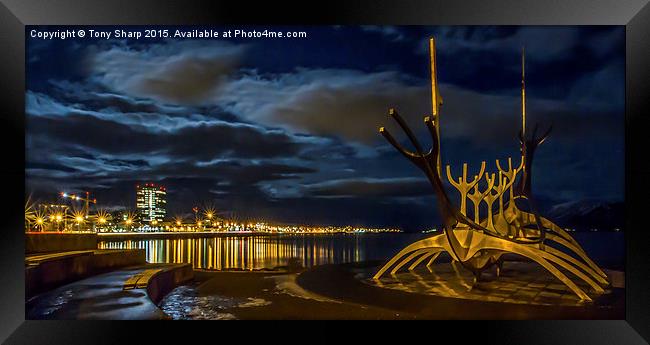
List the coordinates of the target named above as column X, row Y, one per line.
column 123, row 236
column 165, row 235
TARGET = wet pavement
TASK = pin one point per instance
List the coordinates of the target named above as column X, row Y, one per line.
column 259, row 296
column 522, row 292
column 99, row 297
column 185, row 303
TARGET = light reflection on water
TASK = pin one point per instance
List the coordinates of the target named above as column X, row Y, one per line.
column 264, row 251
column 269, row 251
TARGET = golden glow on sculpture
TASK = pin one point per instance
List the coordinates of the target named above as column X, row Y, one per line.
column 480, row 243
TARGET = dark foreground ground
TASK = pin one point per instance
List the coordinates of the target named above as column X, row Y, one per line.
column 337, row 292
column 261, row 295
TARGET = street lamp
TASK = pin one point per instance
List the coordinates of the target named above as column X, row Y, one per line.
column 39, row 222
column 79, row 219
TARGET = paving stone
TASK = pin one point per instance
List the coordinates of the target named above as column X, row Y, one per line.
column 526, row 294
column 550, row 294
column 536, row 285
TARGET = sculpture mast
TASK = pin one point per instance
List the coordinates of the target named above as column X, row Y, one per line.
column 523, row 108
column 523, row 91
column 436, row 100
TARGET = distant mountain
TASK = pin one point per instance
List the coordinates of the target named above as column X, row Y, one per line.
column 586, row 215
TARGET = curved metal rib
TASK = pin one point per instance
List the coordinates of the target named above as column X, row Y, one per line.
column 422, row 258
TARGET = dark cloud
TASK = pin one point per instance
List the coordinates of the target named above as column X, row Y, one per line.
column 341, row 103
column 48, row 166
column 491, row 56
column 127, row 162
column 396, row 187
column 183, row 72
column 201, row 142
column 393, row 33
column 352, row 106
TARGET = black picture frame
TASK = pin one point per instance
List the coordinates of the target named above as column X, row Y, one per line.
column 634, row 14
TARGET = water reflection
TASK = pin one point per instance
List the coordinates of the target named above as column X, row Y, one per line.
column 250, row 252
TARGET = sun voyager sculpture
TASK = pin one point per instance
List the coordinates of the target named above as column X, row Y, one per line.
column 505, row 227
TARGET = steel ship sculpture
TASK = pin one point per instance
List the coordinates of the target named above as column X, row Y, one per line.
column 501, row 226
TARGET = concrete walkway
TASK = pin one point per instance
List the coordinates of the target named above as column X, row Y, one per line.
column 100, row 297
column 47, row 271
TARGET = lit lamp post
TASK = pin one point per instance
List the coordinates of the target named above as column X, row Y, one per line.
column 129, row 219
column 79, row 219
column 209, row 220
column 102, row 221
column 209, row 214
column 39, row 222
column 57, row 219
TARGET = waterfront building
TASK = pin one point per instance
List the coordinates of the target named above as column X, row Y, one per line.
column 151, row 203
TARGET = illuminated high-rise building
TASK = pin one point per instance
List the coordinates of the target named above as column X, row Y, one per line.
column 151, row 202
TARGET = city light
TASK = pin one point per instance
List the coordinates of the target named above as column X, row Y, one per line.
column 178, row 220
column 205, row 219
column 102, row 217
column 209, row 213
column 39, row 219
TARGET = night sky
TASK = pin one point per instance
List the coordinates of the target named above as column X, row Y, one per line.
column 286, row 129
